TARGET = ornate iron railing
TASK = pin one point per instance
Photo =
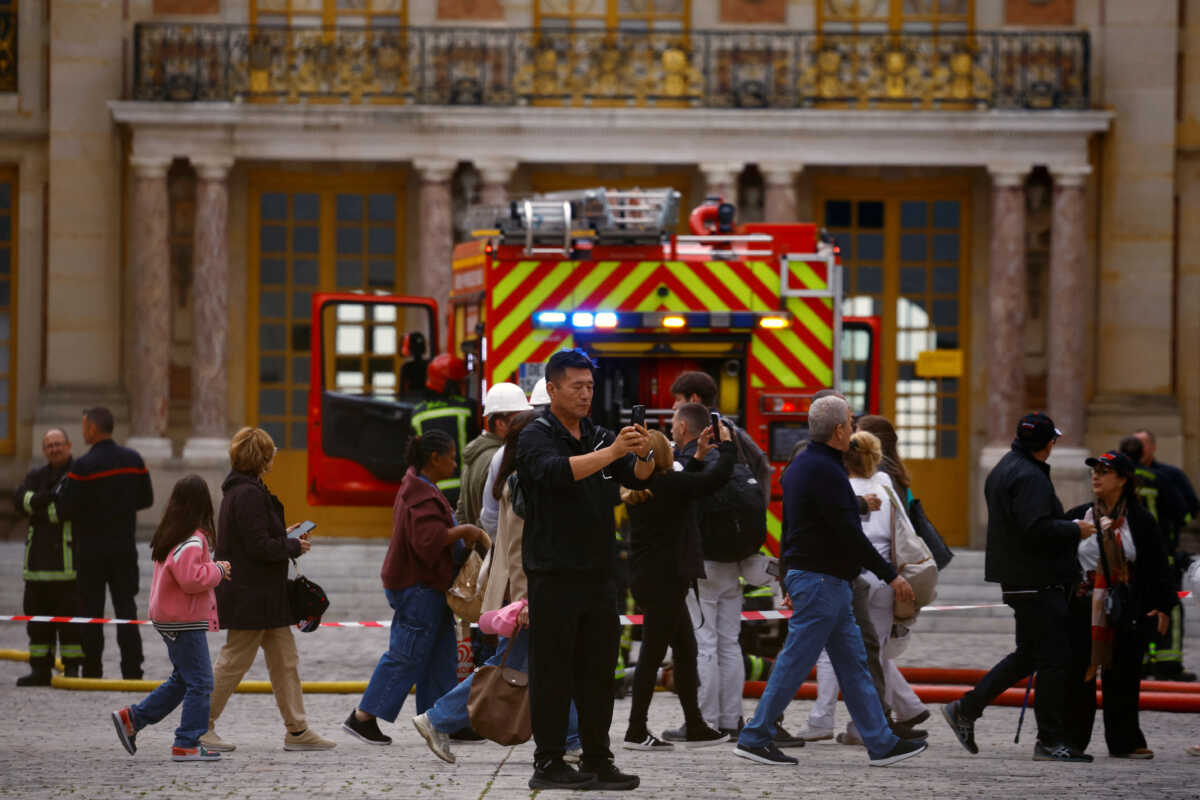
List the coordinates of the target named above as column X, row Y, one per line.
column 705, row 69
column 8, row 51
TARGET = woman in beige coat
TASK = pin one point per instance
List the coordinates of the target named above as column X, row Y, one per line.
column 505, row 584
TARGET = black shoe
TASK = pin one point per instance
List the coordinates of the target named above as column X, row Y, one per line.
column 93, row 672
column 964, row 729
column 1184, row 675
column 704, row 736
column 915, row 721
column 904, row 731
column 365, row 731
column 39, row 677
column 785, row 739
column 558, row 774
column 1060, row 752
column 903, row 749
column 467, row 735
column 606, row 777
column 648, row 742
column 767, row 754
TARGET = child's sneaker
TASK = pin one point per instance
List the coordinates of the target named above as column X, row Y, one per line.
column 197, row 753
column 123, row 721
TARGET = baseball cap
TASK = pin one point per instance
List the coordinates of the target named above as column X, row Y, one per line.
column 1036, row 431
column 1115, row 460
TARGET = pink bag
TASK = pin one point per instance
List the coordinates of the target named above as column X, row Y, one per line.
column 502, row 621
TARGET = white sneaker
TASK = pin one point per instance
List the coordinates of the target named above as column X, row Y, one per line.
column 810, row 734
column 438, row 742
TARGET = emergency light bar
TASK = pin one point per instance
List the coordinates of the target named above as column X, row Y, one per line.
column 671, row 320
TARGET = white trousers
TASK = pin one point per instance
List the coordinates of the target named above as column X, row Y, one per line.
column 900, row 696
column 717, row 618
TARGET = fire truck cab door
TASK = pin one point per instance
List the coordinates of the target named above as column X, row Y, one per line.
column 361, row 393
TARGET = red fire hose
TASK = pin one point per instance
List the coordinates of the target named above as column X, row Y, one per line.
column 703, row 219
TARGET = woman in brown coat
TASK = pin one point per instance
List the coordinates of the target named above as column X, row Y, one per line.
column 253, row 604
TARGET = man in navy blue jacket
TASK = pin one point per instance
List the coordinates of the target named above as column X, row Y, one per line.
column 823, row 549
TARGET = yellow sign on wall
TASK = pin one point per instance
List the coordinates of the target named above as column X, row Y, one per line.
column 940, row 364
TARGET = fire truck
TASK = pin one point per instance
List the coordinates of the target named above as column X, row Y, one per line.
column 756, row 305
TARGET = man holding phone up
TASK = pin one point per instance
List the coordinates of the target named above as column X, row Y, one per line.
column 570, row 472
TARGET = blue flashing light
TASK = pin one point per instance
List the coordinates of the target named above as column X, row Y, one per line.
column 583, row 319
column 551, row 317
column 606, row 319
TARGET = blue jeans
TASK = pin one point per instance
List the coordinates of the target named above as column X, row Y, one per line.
column 821, row 618
column 191, row 683
column 449, row 714
column 422, row 649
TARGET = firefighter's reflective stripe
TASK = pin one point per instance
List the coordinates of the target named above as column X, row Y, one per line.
column 70, row 651
column 39, row 650
column 52, row 513
column 774, row 532
column 460, row 417
column 756, row 667
column 26, row 502
column 67, row 573
column 1173, row 652
column 1148, row 491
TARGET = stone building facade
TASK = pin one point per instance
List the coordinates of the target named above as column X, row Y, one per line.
column 1012, row 179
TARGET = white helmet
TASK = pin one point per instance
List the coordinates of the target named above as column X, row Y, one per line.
column 504, row 398
column 539, row 396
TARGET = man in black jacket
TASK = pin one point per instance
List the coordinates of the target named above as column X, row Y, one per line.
column 823, row 549
column 1031, row 553
column 569, row 472
column 50, row 555
column 102, row 494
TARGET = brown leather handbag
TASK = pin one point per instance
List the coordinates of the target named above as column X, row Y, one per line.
column 499, row 702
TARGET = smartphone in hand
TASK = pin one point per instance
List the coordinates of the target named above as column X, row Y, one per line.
column 301, row 529
column 715, row 420
column 638, row 416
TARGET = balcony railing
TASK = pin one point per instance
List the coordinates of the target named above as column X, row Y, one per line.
column 8, row 51
column 697, row 69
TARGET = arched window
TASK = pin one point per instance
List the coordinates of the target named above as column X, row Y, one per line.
column 632, row 15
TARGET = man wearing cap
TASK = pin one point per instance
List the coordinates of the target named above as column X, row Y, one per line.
column 1031, row 553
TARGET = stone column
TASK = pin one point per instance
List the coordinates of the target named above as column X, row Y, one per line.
column 720, row 179
column 150, row 284
column 209, row 439
column 779, row 202
column 1068, row 335
column 495, row 174
column 1006, row 310
column 436, row 244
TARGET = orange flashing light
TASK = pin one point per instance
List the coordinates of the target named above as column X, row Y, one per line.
column 773, row 322
column 674, row 321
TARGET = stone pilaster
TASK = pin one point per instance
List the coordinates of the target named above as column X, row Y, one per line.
column 1067, row 365
column 437, row 231
column 150, row 283
column 779, row 202
column 210, row 308
column 495, row 173
column 720, row 179
column 1006, row 310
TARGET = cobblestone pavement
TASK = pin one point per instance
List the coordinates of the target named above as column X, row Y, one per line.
column 55, row 743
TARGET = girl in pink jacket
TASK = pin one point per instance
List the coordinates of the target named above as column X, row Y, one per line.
column 183, row 609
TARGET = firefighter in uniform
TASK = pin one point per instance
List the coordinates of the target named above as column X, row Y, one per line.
column 50, row 588
column 102, row 494
column 1164, row 656
column 448, row 411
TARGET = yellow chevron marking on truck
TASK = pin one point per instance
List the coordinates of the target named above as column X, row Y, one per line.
column 760, row 350
column 518, row 274
column 538, row 292
column 686, row 275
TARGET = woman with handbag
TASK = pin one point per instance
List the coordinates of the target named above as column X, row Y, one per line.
column 427, row 547
column 505, row 584
column 666, row 562
column 253, row 605
column 863, row 460
column 1127, row 593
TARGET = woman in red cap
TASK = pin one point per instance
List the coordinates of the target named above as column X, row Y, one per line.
column 1126, row 594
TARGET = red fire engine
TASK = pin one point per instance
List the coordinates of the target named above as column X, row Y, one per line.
column 757, row 306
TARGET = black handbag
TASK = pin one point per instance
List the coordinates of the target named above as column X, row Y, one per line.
column 306, row 600
column 1118, row 602
column 942, row 555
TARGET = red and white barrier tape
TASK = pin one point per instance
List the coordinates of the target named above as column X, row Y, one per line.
column 625, row 619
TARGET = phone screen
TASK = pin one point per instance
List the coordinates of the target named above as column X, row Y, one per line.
column 715, row 419
column 303, row 528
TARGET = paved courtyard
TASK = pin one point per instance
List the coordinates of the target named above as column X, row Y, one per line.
column 57, row 743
